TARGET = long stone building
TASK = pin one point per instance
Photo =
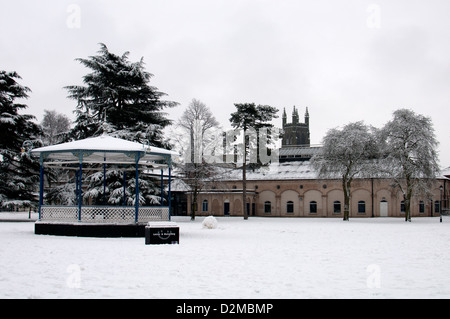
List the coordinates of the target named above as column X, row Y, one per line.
column 291, row 188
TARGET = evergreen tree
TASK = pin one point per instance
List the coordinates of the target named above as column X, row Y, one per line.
column 117, row 92
column 117, row 99
column 248, row 116
column 19, row 172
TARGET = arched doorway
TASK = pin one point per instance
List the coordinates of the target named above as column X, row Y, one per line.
column 384, row 208
column 226, row 207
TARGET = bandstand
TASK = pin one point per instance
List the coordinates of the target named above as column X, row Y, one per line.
column 98, row 153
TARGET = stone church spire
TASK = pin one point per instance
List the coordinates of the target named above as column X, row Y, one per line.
column 307, row 117
column 295, row 116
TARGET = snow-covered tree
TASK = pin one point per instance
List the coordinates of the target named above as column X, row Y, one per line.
column 347, row 153
column 19, row 173
column 117, row 99
column 247, row 117
column 410, row 156
column 197, row 120
column 55, row 126
column 118, row 92
column 62, row 194
column 199, row 124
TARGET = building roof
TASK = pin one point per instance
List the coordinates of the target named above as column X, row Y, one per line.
column 288, row 171
column 299, row 150
column 274, row 171
column 178, row 185
column 446, row 172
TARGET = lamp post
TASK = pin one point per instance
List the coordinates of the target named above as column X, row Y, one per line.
column 440, row 203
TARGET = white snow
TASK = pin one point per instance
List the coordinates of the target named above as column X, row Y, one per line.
column 257, row 258
column 210, row 222
column 104, row 142
column 289, row 171
column 101, row 148
column 274, row 171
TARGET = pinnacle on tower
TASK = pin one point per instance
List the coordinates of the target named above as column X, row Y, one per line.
column 307, row 116
column 295, row 116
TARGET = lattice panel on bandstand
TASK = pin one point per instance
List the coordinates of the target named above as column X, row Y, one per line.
column 147, row 214
column 59, row 213
column 104, row 214
column 99, row 214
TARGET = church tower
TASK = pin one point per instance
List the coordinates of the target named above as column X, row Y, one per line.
column 296, row 134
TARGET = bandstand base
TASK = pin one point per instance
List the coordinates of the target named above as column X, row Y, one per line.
column 89, row 229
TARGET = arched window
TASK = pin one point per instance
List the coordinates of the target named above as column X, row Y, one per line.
column 313, row 207
column 267, row 207
column 337, row 207
column 421, row 207
column 290, row 207
column 437, row 207
column 361, row 207
column 205, row 205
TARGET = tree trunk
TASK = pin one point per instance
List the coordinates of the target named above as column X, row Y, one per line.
column 407, row 200
column 407, row 210
column 408, row 206
column 346, row 207
column 346, row 188
column 194, row 205
column 244, row 181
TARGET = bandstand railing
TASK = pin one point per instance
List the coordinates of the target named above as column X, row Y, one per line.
column 103, row 214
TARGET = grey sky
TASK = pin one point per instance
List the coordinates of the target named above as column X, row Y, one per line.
column 347, row 60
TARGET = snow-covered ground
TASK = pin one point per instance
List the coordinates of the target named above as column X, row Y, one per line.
column 258, row 258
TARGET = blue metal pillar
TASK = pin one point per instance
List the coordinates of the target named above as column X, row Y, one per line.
column 162, row 188
column 136, row 204
column 170, row 189
column 104, row 182
column 41, row 187
column 124, row 187
column 80, row 200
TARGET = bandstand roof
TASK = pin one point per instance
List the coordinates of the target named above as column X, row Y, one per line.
column 103, row 149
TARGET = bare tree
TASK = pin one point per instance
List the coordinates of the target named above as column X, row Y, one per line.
column 54, row 125
column 347, row 153
column 410, row 156
column 199, row 122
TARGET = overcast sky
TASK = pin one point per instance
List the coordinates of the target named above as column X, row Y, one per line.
column 347, row 60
